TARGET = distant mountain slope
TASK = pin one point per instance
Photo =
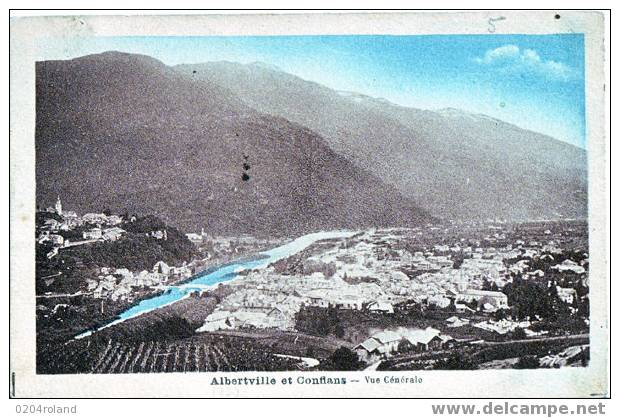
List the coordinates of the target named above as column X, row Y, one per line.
column 126, row 132
column 455, row 164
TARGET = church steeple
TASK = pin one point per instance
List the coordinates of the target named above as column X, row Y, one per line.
column 58, row 206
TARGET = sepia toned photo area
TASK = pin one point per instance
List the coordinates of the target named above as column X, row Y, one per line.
column 311, row 203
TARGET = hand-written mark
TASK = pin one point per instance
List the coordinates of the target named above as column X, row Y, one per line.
column 492, row 21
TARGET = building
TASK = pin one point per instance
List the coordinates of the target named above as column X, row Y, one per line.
column 384, row 307
column 58, row 206
column 462, row 308
column 348, row 302
column 159, row 234
column 379, row 346
column 424, row 339
column 384, row 344
column 56, row 240
column 161, row 267
column 94, row 233
column 497, row 299
column 113, row 234
column 69, row 214
column 569, row 265
column 52, row 224
column 95, row 218
column 114, row 220
column 567, row 294
column 196, row 239
column 455, row 322
column 218, row 320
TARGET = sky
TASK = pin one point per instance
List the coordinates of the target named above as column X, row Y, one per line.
column 533, row 81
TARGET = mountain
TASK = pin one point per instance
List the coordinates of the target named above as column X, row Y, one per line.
column 452, row 163
column 128, row 133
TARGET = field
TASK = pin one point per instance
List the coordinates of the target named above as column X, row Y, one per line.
column 202, row 353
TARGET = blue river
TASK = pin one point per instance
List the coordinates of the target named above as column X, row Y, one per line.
column 225, row 273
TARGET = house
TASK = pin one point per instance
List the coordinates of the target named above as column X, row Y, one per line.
column 441, row 261
column 113, row 234
column 536, row 274
column 497, row 299
column 424, row 339
column 385, row 307
column 94, row 233
column 196, row 239
column 161, row 267
column 488, row 307
column 567, row 294
column 317, row 298
column 277, row 317
column 380, row 345
column 43, row 237
column 455, row 322
column 218, row 320
column 95, row 218
column 502, row 327
column 368, row 350
column 424, row 265
column 349, row 302
column 569, row 265
column 114, row 220
column 160, row 234
column 56, row 240
column 183, row 271
column 438, row 300
column 69, row 214
column 52, row 224
column 446, row 341
column 462, row 308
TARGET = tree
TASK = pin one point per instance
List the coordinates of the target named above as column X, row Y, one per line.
column 519, row 334
column 583, row 307
column 457, row 260
column 456, row 361
column 500, row 314
column 527, row 362
column 339, row 330
column 345, row 359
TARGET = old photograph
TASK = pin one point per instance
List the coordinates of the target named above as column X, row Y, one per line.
column 312, row 203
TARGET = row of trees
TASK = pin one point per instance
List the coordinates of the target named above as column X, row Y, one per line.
column 529, row 299
column 319, row 321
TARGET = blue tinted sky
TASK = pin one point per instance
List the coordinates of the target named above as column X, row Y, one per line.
column 534, row 81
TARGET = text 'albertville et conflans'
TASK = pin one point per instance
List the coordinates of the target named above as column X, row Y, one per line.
column 266, row 380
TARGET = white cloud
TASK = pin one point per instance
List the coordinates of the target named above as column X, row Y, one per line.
column 512, row 59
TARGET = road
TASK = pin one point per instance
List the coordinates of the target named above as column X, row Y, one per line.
column 63, row 295
column 527, row 340
column 409, row 357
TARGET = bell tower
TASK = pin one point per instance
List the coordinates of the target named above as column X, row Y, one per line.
column 58, row 206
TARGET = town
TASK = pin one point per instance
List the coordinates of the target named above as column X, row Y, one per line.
column 447, row 296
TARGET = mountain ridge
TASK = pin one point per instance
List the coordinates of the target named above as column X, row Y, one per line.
column 127, row 132
column 455, row 167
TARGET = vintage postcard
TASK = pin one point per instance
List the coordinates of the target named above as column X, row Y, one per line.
column 309, row 205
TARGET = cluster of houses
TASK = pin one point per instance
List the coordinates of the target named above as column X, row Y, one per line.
column 325, row 298
column 256, row 318
column 503, row 326
column 104, row 228
column 384, row 344
column 71, row 220
column 120, row 283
